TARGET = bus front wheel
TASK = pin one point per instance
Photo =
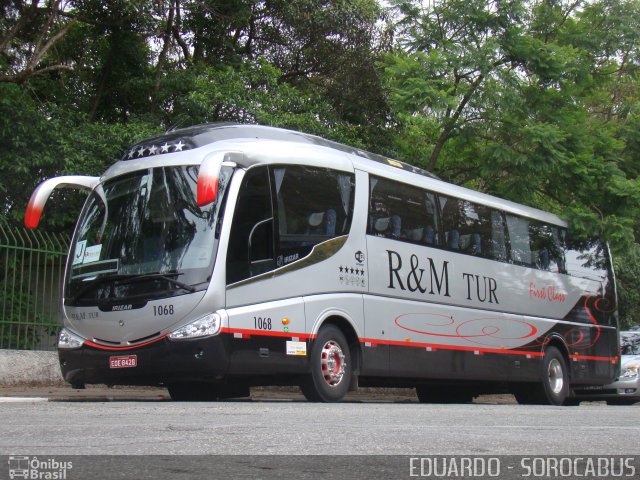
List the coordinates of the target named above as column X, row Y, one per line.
column 331, row 368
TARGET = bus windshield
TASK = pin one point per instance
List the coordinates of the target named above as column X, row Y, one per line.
column 142, row 236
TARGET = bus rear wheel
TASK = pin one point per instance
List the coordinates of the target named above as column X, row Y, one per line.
column 553, row 388
column 331, row 368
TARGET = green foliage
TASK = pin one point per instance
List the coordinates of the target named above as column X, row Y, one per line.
column 26, row 153
column 627, row 266
column 80, row 81
column 537, row 102
column 531, row 102
column 20, row 326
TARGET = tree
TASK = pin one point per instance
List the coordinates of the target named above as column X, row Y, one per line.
column 29, row 33
column 500, row 96
column 627, row 268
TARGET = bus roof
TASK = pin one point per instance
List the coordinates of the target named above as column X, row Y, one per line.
column 201, row 135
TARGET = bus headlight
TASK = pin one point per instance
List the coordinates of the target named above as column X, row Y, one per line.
column 68, row 340
column 207, row 325
column 630, row 372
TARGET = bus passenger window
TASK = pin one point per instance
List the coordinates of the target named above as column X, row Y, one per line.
column 313, row 205
column 467, row 226
column 586, row 259
column 519, row 240
column 401, row 212
column 498, row 237
column 546, row 247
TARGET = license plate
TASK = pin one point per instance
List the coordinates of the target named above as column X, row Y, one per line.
column 127, row 361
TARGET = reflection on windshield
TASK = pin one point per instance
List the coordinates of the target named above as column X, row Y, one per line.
column 144, row 223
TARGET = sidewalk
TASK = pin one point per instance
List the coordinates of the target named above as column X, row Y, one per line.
column 102, row 393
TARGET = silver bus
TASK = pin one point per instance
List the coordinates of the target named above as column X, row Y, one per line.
column 219, row 257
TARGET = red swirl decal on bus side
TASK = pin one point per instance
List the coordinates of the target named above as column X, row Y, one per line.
column 579, row 337
column 486, row 331
column 593, row 319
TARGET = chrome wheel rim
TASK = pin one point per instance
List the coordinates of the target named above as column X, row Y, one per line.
column 556, row 377
column 332, row 363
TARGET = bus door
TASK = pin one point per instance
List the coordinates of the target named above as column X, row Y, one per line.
column 260, row 319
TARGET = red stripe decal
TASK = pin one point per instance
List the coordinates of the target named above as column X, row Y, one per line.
column 246, row 332
column 434, row 347
column 499, row 351
column 592, row 357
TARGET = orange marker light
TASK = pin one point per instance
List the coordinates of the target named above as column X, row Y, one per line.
column 285, row 321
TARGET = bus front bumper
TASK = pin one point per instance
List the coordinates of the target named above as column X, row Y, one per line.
column 203, row 359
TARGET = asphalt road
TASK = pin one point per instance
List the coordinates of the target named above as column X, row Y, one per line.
column 284, row 427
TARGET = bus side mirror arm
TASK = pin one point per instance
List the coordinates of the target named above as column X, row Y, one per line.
column 41, row 194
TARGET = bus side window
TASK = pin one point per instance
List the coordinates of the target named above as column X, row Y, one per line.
column 468, row 227
column 313, row 205
column 519, row 241
column 586, row 259
column 251, row 243
column 430, row 234
column 450, row 213
column 498, row 237
column 401, row 212
column 546, row 247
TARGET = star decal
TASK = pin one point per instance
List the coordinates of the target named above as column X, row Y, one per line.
column 152, row 149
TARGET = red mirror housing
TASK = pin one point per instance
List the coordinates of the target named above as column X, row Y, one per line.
column 41, row 194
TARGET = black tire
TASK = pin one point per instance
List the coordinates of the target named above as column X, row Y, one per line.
column 555, row 377
column 524, row 393
column 440, row 394
column 204, row 392
column 553, row 388
column 331, row 369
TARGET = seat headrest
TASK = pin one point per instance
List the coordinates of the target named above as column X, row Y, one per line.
column 382, row 224
column 315, row 219
column 415, row 234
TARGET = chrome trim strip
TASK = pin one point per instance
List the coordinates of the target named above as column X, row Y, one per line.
column 319, row 253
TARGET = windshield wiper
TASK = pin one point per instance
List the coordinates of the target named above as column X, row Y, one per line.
column 124, row 278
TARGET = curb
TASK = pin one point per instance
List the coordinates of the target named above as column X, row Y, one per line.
column 33, row 368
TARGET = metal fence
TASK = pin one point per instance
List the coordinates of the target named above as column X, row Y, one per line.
column 31, row 267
